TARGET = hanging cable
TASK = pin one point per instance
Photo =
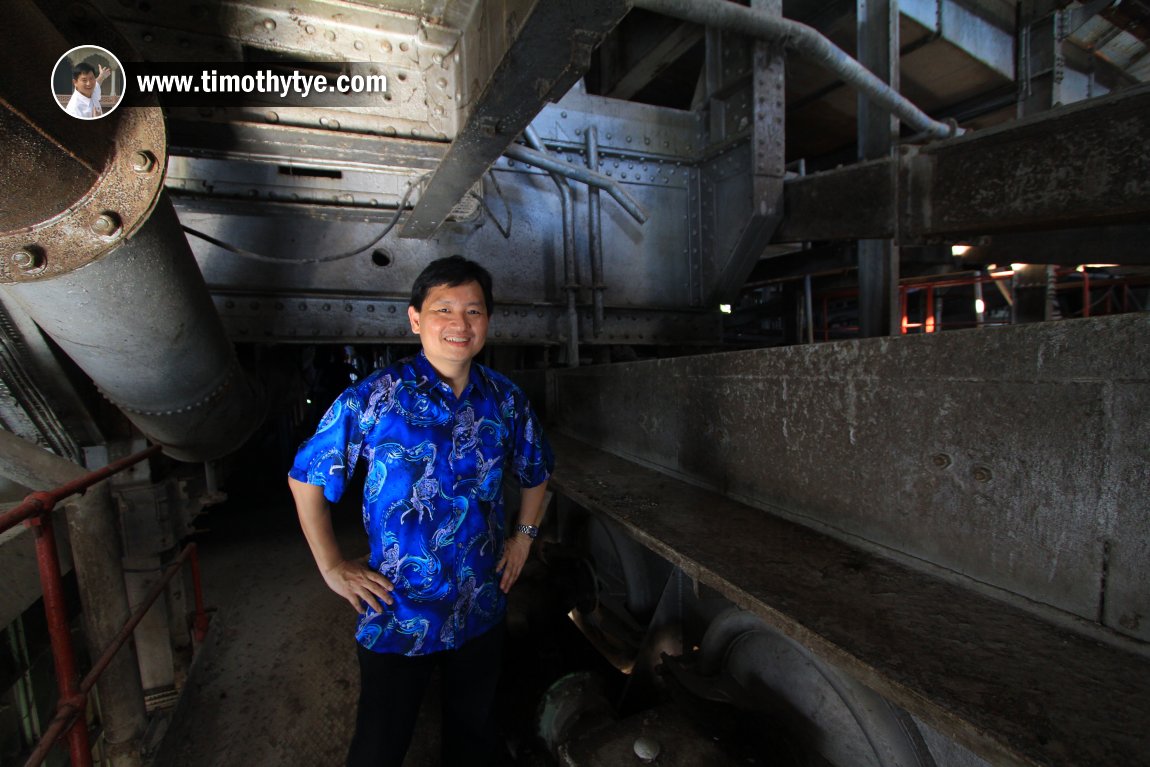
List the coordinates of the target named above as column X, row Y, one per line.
column 506, row 232
column 320, row 259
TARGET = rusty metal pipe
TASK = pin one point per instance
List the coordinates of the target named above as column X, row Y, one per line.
column 92, row 251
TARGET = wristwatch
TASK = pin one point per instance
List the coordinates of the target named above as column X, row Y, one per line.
column 531, row 531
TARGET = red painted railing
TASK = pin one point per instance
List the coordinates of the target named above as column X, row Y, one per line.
column 36, row 513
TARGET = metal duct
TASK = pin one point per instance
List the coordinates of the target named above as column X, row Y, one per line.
column 94, row 254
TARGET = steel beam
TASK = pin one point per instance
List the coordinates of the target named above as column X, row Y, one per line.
column 1079, row 166
column 551, row 51
column 1085, row 164
column 1066, row 247
column 251, row 317
column 944, row 447
column 290, row 144
column 855, row 202
column 664, row 54
column 768, row 161
column 979, row 38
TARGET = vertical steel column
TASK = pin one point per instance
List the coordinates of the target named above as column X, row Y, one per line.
column 928, row 322
column 570, row 267
column 877, row 259
column 1032, row 293
column 595, row 234
column 1085, row 293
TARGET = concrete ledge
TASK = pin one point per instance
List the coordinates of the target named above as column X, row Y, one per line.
column 1013, row 688
column 1014, row 457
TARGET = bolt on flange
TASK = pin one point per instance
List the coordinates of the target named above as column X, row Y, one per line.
column 28, row 260
column 107, row 225
column 143, row 161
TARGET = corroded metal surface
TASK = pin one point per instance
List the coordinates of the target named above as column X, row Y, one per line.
column 75, row 189
column 141, row 324
column 110, row 212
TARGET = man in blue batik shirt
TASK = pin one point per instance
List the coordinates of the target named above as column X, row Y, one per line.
column 435, row 433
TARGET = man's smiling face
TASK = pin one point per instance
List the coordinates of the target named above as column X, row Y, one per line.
column 452, row 324
column 85, row 83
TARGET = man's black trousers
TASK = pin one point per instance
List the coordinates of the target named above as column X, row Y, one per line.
column 392, row 688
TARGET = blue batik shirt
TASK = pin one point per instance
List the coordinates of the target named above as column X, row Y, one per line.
column 432, row 499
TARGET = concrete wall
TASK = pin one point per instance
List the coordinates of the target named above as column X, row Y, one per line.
column 1017, row 456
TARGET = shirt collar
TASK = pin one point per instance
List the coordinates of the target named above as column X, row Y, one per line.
column 477, row 376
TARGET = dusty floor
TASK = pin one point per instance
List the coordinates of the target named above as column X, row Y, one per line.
column 276, row 681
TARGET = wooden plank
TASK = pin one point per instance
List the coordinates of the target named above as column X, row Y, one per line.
column 1012, row 687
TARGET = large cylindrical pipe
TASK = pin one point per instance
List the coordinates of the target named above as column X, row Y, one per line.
column 732, row 17
column 141, row 324
column 91, row 249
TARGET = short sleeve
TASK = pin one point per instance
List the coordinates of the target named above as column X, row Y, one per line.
column 328, row 458
column 533, row 460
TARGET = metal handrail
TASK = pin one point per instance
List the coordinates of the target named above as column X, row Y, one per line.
column 69, row 709
column 44, row 501
column 36, row 512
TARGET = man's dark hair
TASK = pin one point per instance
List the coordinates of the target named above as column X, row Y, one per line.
column 452, row 272
column 82, row 68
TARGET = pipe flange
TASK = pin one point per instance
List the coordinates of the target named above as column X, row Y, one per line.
column 112, row 210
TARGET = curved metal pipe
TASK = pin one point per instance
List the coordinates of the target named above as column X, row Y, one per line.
column 807, row 41
column 548, row 163
column 570, row 268
column 141, row 324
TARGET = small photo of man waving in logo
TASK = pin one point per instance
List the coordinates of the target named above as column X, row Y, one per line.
column 88, row 82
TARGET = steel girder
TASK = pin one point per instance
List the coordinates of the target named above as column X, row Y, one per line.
column 550, row 52
column 1084, row 165
column 303, row 318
